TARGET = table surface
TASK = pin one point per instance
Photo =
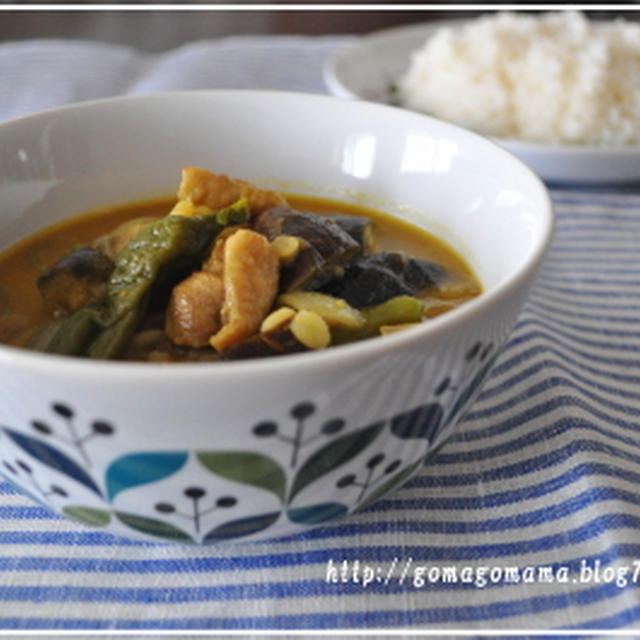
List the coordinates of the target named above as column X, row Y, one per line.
column 542, row 473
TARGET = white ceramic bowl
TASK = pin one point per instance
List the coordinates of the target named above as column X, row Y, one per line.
column 255, row 449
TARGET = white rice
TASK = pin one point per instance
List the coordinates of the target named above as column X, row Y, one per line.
column 553, row 77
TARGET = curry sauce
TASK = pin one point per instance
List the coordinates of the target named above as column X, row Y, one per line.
column 24, row 316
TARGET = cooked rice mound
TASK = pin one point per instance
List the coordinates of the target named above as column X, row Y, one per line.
column 554, row 77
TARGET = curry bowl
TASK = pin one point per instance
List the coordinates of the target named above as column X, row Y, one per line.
column 258, row 448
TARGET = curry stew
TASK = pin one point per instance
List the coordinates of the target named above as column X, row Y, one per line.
column 226, row 271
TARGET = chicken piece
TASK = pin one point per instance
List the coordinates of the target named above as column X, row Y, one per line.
column 201, row 190
column 251, row 271
column 226, row 301
column 193, row 314
column 215, row 261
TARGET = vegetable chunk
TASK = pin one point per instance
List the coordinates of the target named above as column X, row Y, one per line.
column 361, row 229
column 336, row 312
column 401, row 310
column 251, row 273
column 328, row 247
column 155, row 255
column 114, row 242
column 373, row 279
column 75, row 280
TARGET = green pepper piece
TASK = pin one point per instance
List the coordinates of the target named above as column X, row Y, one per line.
column 397, row 310
column 160, row 245
column 76, row 331
column 157, row 249
column 112, row 340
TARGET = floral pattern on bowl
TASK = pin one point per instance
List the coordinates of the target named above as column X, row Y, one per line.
column 209, row 495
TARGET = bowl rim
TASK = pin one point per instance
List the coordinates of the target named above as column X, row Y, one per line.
column 38, row 362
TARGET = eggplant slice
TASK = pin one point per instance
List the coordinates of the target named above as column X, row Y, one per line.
column 361, row 229
column 376, row 278
column 75, row 280
column 329, row 247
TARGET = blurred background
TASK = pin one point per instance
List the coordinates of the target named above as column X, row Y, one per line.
column 157, row 30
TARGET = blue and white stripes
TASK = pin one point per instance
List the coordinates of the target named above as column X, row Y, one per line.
column 544, row 471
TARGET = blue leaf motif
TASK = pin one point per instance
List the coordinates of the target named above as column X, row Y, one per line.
column 317, row 513
column 53, row 458
column 137, row 469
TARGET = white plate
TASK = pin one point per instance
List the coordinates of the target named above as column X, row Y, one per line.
column 370, row 68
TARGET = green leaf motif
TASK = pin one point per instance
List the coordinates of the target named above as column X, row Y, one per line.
column 317, row 513
column 395, row 481
column 154, row 527
column 88, row 515
column 241, row 528
column 334, row 454
column 248, row 468
column 137, row 469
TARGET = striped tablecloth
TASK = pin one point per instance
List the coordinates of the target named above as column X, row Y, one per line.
column 534, row 506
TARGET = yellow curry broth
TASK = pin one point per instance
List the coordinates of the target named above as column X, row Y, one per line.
column 21, row 309
column 22, row 313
